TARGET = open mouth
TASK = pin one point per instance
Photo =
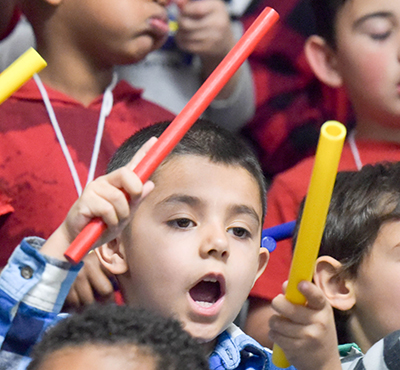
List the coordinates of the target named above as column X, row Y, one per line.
column 206, row 292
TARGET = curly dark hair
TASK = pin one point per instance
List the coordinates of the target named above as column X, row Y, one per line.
column 113, row 325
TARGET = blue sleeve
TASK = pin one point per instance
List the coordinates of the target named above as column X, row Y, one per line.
column 32, row 292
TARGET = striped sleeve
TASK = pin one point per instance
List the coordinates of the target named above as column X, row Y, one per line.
column 383, row 355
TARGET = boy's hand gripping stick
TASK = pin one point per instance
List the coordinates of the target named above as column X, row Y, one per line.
column 20, row 71
column 312, row 222
column 183, row 121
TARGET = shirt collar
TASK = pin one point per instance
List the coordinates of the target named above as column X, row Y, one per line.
column 233, row 346
column 30, row 91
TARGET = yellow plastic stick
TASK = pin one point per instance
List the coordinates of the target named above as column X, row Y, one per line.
column 312, row 222
column 20, row 71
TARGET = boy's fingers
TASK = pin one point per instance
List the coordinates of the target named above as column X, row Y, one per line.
column 282, row 326
column 147, row 188
column 97, row 278
column 141, row 153
column 72, row 299
column 101, row 206
column 314, row 296
column 113, row 188
column 280, row 304
column 84, row 290
column 294, row 312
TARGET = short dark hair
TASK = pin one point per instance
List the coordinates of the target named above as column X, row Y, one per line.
column 362, row 201
column 113, row 325
column 204, row 139
column 325, row 12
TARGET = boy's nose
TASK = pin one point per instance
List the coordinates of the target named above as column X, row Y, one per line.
column 215, row 243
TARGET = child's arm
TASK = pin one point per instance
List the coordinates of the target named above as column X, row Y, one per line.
column 307, row 334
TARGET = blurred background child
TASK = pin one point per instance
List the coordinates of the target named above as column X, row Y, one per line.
column 356, row 47
column 59, row 130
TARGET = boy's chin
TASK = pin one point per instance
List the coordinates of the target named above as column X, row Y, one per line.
column 205, row 333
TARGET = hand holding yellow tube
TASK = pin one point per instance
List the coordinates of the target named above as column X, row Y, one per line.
column 312, row 222
column 13, row 77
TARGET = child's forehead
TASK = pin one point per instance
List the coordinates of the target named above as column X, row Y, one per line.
column 119, row 356
column 180, row 162
column 183, row 164
column 199, row 176
column 359, row 8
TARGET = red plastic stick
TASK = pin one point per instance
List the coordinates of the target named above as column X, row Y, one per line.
column 183, row 121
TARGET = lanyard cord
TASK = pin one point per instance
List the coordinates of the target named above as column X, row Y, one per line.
column 354, row 150
column 105, row 110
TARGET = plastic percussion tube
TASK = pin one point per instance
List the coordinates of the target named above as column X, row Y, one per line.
column 20, row 71
column 183, row 121
column 313, row 219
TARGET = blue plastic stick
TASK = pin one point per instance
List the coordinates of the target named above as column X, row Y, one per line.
column 274, row 234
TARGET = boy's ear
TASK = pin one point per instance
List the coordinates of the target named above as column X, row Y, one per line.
column 112, row 257
column 338, row 290
column 323, row 61
column 263, row 258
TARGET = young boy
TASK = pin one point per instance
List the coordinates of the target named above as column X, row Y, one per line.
column 356, row 47
column 190, row 248
column 117, row 337
column 357, row 271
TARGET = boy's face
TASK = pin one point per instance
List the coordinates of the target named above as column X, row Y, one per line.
column 367, row 57
column 128, row 29
column 193, row 248
column 92, row 357
column 376, row 287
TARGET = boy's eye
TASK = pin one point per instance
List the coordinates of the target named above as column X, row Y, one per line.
column 378, row 26
column 380, row 36
column 181, row 223
column 240, row 232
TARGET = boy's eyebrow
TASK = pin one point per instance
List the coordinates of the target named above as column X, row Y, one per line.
column 383, row 14
column 243, row 209
column 180, row 198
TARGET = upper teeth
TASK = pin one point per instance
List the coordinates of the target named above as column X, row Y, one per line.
column 212, row 280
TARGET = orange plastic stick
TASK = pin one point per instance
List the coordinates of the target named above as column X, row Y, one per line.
column 183, row 121
column 313, row 219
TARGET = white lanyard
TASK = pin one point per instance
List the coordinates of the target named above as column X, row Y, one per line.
column 105, row 110
column 354, row 150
